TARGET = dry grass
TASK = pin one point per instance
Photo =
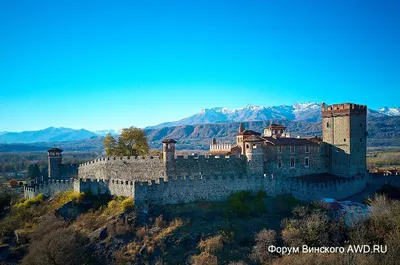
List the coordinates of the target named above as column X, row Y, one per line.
column 383, row 158
column 211, row 245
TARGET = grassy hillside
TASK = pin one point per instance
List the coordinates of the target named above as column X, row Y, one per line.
column 236, row 231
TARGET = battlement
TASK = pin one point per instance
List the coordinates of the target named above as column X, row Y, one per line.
column 48, row 187
column 221, row 147
column 122, row 158
column 338, row 189
column 205, row 157
column 343, row 110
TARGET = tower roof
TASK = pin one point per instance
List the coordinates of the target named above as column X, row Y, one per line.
column 169, row 141
column 54, row 150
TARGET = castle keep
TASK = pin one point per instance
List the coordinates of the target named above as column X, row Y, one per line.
column 273, row 161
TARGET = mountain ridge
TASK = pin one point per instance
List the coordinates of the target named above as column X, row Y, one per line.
column 307, row 112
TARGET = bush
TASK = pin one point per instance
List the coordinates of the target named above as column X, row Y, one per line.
column 118, row 205
column 60, row 246
column 211, row 245
column 264, row 239
column 244, row 203
column 26, row 203
column 62, row 198
column 312, row 227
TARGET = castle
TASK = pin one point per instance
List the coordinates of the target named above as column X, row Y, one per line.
column 308, row 168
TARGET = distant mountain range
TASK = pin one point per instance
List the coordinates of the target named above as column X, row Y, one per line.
column 300, row 112
column 383, row 133
column 310, row 112
column 50, row 134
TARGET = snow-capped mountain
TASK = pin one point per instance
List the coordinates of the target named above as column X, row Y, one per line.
column 390, row 111
column 299, row 112
column 111, row 131
column 309, row 111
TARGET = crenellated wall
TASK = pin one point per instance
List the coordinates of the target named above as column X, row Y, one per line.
column 48, row 188
column 128, row 168
column 339, row 189
column 191, row 188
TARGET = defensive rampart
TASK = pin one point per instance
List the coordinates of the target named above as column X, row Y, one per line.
column 127, row 168
column 48, row 188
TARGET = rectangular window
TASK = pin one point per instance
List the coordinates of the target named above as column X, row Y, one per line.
column 292, row 149
column 292, row 162
column 280, row 149
column 306, row 162
column 307, row 149
column 279, row 162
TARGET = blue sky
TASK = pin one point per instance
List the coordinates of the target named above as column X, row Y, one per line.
column 112, row 64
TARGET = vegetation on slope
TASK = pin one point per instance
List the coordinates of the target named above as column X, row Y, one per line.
column 236, row 231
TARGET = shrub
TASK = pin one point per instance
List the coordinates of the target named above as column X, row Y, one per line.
column 204, row 258
column 118, row 205
column 26, row 203
column 312, row 227
column 211, row 245
column 62, row 198
column 244, row 203
column 264, row 239
column 60, row 246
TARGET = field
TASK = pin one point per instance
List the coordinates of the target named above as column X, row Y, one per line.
column 383, row 159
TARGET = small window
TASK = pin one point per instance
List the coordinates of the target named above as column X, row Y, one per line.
column 328, row 125
column 306, row 162
column 280, row 149
column 292, row 162
column 344, row 140
column 247, row 146
column 292, row 149
column 307, row 149
column 279, row 162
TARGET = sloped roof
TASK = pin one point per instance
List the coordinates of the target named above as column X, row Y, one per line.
column 249, row 132
column 291, row 141
column 253, row 138
column 169, row 141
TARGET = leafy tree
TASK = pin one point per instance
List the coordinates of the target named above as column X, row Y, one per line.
column 34, row 171
column 131, row 142
column 121, row 149
column 136, row 140
column 109, row 144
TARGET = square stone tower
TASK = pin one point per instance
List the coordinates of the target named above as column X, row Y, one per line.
column 344, row 132
column 54, row 163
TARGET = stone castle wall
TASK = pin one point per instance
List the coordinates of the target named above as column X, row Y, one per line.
column 184, row 189
column 48, row 188
column 208, row 165
column 127, row 168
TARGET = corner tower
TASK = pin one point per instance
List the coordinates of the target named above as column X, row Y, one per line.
column 54, row 162
column 344, row 130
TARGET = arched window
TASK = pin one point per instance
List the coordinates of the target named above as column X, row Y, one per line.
column 328, row 124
